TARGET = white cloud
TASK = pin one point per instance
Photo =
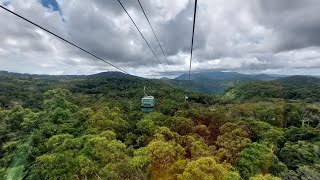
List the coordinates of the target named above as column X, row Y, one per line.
column 230, row 35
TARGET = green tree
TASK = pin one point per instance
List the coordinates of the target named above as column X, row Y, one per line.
column 309, row 172
column 264, row 177
column 106, row 119
column 231, row 141
column 162, row 156
column 181, row 125
column 298, row 154
column 255, row 159
column 205, row 168
column 141, row 163
column 57, row 98
column 199, row 149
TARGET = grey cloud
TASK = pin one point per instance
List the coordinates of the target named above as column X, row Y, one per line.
column 295, row 22
column 250, row 36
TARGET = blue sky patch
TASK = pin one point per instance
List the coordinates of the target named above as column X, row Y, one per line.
column 51, row 4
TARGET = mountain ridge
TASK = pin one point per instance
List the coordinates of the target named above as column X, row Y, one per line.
column 228, row 75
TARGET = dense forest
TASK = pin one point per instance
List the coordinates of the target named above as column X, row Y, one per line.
column 91, row 127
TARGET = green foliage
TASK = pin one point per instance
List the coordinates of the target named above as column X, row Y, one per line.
column 258, row 90
column 162, row 156
column 205, row 168
column 141, row 159
column 295, row 134
column 263, row 132
column 296, row 88
column 300, row 154
column 91, row 127
column 264, row 177
column 255, row 159
column 231, row 142
column 199, row 149
column 146, row 126
column 301, row 87
column 309, row 172
column 181, row 125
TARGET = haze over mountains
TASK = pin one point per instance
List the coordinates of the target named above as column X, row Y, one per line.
column 213, row 75
column 205, row 82
column 227, row 75
column 217, row 82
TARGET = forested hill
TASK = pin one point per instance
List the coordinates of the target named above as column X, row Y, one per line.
column 288, row 87
column 216, row 82
column 226, row 75
column 122, row 89
column 304, row 88
column 91, row 127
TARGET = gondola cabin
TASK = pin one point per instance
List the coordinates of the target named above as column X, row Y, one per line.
column 147, row 104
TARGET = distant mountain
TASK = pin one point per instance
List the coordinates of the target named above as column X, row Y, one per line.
column 165, row 78
column 111, row 74
column 3, row 72
column 300, row 80
column 210, row 86
column 231, row 85
column 217, row 81
column 225, row 75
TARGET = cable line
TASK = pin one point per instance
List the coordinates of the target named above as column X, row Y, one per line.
column 142, row 35
column 155, row 35
column 194, row 23
column 62, row 39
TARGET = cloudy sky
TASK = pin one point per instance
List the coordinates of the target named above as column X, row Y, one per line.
column 248, row 36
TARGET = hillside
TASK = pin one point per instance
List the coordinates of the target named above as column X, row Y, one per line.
column 95, row 90
column 209, row 86
column 91, row 127
column 122, row 89
column 225, row 75
column 217, row 82
column 304, row 88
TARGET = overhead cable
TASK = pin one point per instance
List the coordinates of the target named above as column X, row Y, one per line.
column 194, row 23
column 155, row 35
column 62, row 39
column 142, row 35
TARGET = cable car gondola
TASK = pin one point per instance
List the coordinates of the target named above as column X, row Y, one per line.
column 147, row 103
